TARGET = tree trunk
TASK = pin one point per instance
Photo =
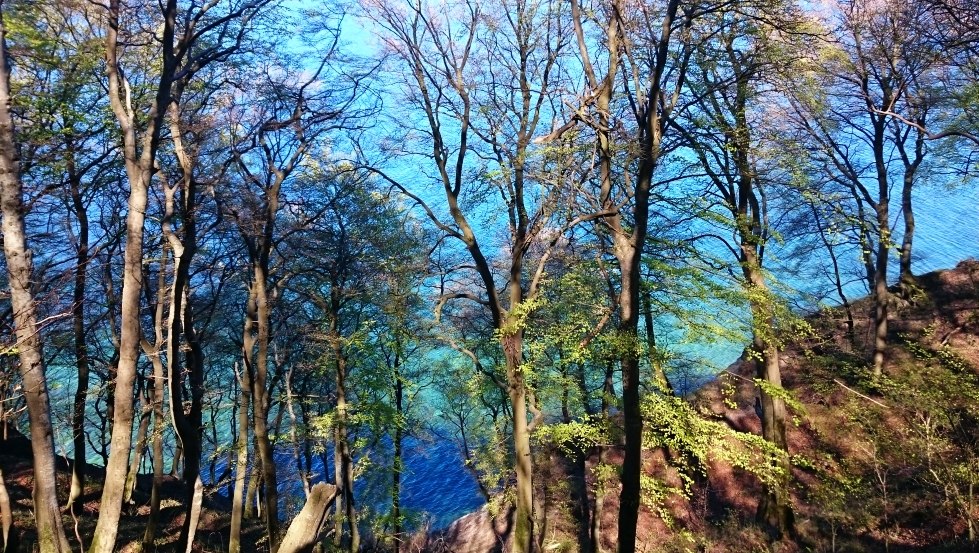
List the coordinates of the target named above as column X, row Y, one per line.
column 78, row 330
column 182, row 337
column 523, row 526
column 629, row 497
column 774, row 508
column 155, row 389
column 398, row 467
column 47, row 515
column 907, row 277
column 345, row 467
column 258, row 362
column 304, row 532
column 139, row 171
column 7, row 535
column 241, row 467
column 141, row 438
column 881, row 295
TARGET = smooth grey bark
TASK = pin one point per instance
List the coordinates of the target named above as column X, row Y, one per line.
column 304, row 531
column 7, row 539
column 47, row 515
column 241, row 463
column 156, row 393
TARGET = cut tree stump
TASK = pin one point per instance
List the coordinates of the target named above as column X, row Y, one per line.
column 304, row 532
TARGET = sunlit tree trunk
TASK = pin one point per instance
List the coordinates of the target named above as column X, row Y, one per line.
column 139, row 170
column 47, row 515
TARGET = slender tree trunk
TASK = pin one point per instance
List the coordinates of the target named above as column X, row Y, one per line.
column 155, row 388
column 241, row 468
column 258, row 359
column 837, row 279
column 141, row 439
column 156, row 391
column 881, row 295
column 47, row 515
column 7, row 538
column 342, row 452
column 253, row 496
column 181, row 334
column 338, row 504
column 78, row 329
column 294, row 435
column 398, row 466
column 907, row 277
column 654, row 359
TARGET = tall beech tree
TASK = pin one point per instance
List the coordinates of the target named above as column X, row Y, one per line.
column 648, row 48
column 270, row 136
column 481, row 78
column 724, row 132
column 189, row 40
column 862, row 110
column 19, row 265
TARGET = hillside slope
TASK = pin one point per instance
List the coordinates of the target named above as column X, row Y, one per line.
column 888, row 464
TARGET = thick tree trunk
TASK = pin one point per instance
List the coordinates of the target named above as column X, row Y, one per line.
column 774, row 508
column 304, row 532
column 47, row 515
column 523, row 526
column 629, row 498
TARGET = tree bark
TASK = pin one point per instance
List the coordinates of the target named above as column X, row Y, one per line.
column 8, row 537
column 141, row 439
column 304, row 532
column 345, row 472
column 398, row 465
column 155, row 390
column 47, row 515
column 241, row 468
column 78, row 330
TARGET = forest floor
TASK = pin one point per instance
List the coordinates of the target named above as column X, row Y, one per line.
column 212, row 533
column 879, row 464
